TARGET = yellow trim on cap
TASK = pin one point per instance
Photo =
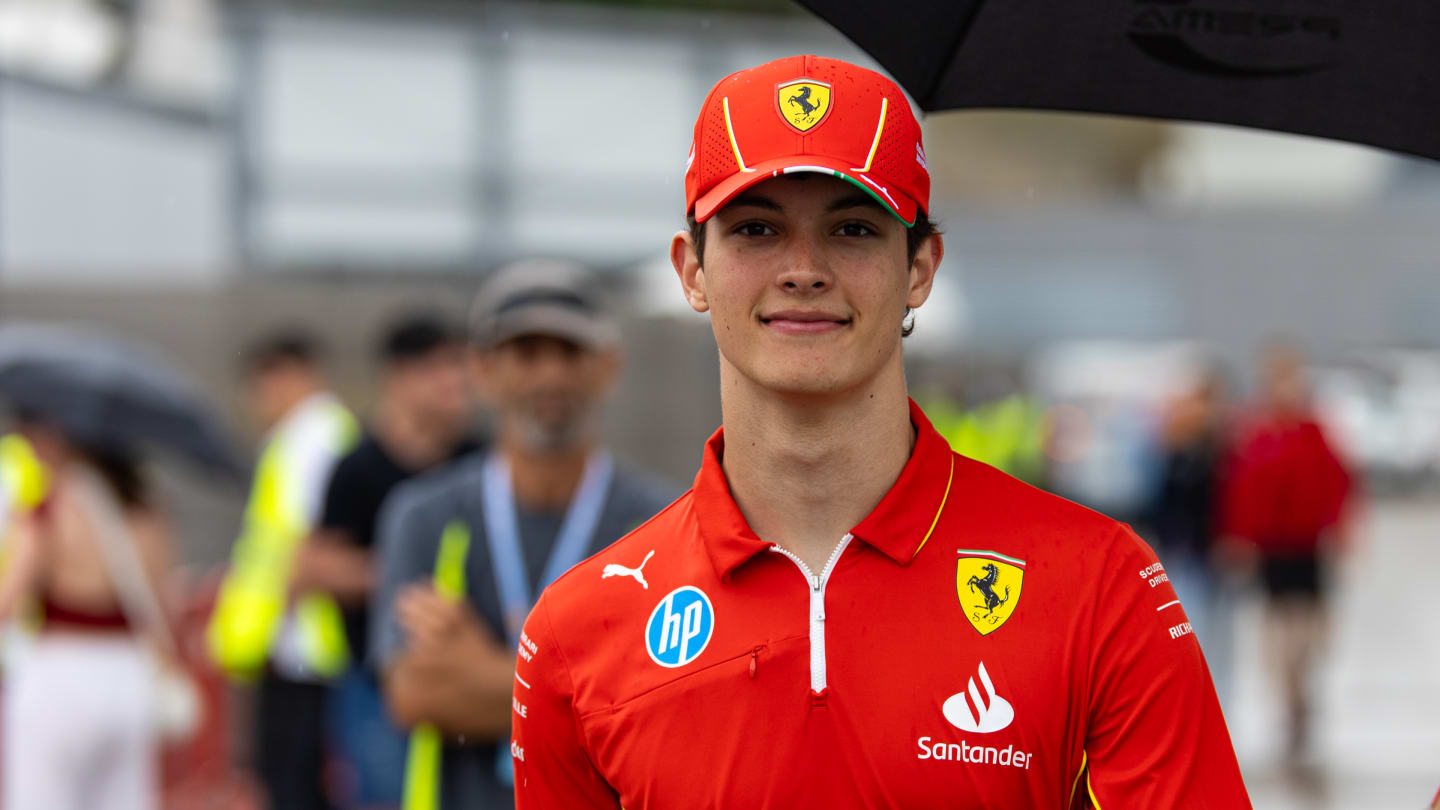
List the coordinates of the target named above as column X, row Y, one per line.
column 874, row 145
column 730, row 128
column 943, row 499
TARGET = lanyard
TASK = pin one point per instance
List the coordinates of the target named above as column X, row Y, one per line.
column 502, row 533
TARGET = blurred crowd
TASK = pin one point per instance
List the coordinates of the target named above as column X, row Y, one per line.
column 1235, row 494
column 384, row 563
column 367, row 621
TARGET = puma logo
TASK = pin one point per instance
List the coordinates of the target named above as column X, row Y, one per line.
column 618, row 570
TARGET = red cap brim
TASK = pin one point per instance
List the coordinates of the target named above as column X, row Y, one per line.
column 904, row 208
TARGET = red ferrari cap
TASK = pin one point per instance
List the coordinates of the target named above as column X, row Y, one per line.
column 807, row 114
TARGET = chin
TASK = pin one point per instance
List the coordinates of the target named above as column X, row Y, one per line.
column 805, row 378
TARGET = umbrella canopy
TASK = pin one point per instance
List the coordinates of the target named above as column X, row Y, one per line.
column 1357, row 71
column 108, row 392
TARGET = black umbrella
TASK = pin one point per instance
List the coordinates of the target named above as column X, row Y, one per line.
column 109, row 393
column 1355, row 70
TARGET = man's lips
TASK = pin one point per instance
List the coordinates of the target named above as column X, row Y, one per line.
column 803, row 322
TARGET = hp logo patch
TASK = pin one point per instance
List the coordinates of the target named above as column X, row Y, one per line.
column 680, row 627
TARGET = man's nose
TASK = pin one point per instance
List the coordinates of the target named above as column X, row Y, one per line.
column 805, row 268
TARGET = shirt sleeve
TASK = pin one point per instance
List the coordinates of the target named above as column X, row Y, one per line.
column 553, row 771
column 1155, row 736
column 407, row 543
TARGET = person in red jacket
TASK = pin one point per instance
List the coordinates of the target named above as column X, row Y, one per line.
column 842, row 612
column 1284, row 498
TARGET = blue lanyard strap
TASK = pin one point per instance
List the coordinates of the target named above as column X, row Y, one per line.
column 502, row 533
column 507, row 556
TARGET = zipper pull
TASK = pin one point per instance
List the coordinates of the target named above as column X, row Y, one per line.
column 754, row 661
column 814, row 583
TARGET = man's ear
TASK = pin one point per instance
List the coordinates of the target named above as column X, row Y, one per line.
column 923, row 269
column 686, row 261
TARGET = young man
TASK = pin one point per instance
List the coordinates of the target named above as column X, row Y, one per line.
column 294, row 647
column 495, row 529
column 421, row 420
column 842, row 612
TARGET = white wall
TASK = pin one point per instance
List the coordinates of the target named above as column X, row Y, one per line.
column 98, row 188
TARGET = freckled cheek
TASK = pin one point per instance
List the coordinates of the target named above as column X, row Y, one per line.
column 872, row 293
column 735, row 296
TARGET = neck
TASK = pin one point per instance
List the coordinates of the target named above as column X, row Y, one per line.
column 545, row 480
column 805, row 470
column 412, row 441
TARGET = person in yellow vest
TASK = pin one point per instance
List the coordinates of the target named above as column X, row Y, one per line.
column 290, row 644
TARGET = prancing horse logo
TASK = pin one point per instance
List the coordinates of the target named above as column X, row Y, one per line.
column 987, row 589
column 618, row 570
column 802, row 100
column 996, row 579
column 803, row 103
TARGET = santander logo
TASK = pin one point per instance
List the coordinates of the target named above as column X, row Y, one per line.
column 978, row 709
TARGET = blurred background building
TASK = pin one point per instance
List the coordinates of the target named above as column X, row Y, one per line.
column 195, row 173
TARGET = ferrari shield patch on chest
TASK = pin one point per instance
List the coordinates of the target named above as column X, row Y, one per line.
column 988, row 584
column 803, row 103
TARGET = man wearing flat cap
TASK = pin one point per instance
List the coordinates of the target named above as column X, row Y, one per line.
column 465, row 552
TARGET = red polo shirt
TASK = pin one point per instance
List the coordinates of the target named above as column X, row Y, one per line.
column 973, row 643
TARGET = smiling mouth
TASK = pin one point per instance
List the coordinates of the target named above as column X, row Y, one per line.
column 804, row 323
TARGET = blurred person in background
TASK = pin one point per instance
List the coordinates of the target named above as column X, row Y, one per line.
column 420, row 421
column 1285, row 495
column 466, row 551
column 258, row 632
column 80, row 728
column 996, row 423
column 1184, row 515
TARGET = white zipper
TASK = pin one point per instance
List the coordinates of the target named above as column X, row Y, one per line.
column 817, row 609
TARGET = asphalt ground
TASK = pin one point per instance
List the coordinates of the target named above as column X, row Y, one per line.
column 1377, row 687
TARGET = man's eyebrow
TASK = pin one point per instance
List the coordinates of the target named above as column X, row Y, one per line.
column 754, row 201
column 854, row 201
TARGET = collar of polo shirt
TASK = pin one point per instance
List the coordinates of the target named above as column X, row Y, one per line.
column 899, row 526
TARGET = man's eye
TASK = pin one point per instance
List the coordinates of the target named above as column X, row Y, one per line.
column 754, row 229
column 855, row 229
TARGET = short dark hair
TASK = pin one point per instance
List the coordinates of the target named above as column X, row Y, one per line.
column 287, row 346
column 915, row 236
column 417, row 335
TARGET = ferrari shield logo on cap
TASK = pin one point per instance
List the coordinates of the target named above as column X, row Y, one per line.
column 803, row 103
column 988, row 584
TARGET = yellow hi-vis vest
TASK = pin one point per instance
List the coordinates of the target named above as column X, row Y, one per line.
column 24, row 481
column 251, row 608
column 1007, row 433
